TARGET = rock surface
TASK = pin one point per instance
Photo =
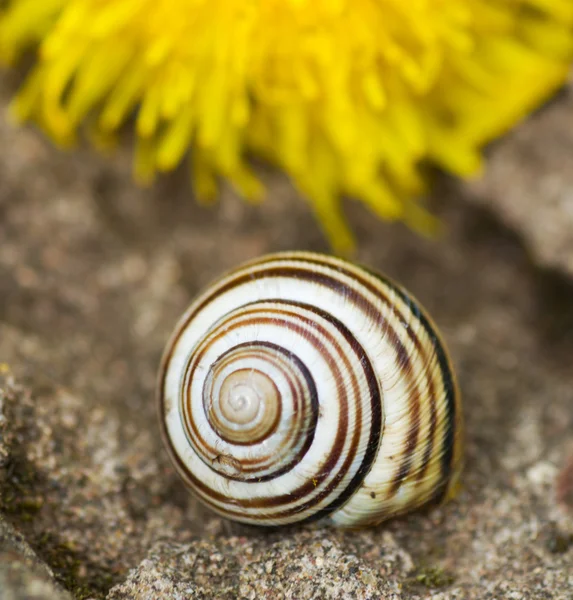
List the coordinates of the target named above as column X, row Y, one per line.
column 94, row 274
column 528, row 183
column 22, row 573
column 303, row 564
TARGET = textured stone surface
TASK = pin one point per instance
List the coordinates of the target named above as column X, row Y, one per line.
column 94, row 274
column 22, row 575
column 304, row 564
column 528, row 182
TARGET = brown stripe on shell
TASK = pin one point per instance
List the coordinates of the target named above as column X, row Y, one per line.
column 376, row 425
column 296, row 494
column 327, row 467
column 446, row 449
column 309, row 486
column 267, row 432
column 335, row 452
column 357, row 273
column 196, row 440
column 254, row 465
column 352, row 295
column 451, row 393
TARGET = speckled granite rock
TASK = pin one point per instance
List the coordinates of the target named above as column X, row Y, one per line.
column 22, row 575
column 94, row 274
column 301, row 565
column 528, row 182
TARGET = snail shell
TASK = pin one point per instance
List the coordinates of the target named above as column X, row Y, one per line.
column 301, row 386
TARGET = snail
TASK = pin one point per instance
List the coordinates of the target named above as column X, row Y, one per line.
column 301, row 387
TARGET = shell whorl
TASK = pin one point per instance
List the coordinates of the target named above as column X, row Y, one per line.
column 300, row 386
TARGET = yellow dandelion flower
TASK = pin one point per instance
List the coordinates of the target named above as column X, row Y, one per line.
column 347, row 96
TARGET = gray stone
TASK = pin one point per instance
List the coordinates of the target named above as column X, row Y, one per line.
column 23, row 576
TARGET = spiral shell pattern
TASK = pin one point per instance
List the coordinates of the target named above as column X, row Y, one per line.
column 301, row 386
